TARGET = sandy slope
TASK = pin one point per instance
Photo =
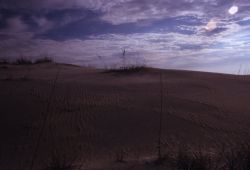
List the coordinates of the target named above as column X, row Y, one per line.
column 92, row 115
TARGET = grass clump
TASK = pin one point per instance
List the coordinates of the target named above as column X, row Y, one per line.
column 127, row 69
column 234, row 158
column 23, row 61
column 44, row 60
column 186, row 160
column 238, row 158
column 26, row 61
column 128, row 65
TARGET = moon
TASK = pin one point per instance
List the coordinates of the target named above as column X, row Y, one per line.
column 233, row 10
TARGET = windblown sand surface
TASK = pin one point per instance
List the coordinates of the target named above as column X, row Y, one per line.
column 89, row 116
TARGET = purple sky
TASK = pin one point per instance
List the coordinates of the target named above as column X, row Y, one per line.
column 178, row 34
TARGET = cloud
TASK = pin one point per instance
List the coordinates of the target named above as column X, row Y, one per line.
column 16, row 28
column 134, row 11
column 169, row 50
column 43, row 23
column 16, row 25
column 167, row 33
column 126, row 11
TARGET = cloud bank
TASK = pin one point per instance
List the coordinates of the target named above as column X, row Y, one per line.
column 182, row 34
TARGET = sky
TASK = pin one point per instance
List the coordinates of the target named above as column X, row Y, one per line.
column 203, row 35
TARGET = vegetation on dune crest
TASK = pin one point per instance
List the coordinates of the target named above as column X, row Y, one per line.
column 44, row 60
column 126, row 68
column 23, row 61
column 27, row 61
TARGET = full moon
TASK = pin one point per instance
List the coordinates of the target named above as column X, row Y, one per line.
column 233, row 10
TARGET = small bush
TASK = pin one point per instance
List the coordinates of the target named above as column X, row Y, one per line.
column 23, row 61
column 192, row 161
column 238, row 158
column 44, row 60
column 127, row 69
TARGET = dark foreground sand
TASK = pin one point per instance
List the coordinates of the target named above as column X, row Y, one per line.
column 90, row 117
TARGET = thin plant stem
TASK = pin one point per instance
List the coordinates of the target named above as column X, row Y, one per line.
column 44, row 121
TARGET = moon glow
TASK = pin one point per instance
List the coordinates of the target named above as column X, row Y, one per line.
column 211, row 25
column 233, row 10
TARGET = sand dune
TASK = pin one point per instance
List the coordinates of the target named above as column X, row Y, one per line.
column 92, row 115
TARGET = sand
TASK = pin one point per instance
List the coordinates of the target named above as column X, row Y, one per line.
column 89, row 116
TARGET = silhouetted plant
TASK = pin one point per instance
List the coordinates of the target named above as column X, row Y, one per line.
column 238, row 158
column 45, row 120
column 134, row 66
column 44, row 60
column 160, row 119
column 186, row 160
column 127, row 70
column 23, row 61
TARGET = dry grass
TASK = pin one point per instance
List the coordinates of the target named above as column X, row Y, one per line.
column 127, row 70
column 187, row 160
column 23, row 61
column 27, row 61
column 44, row 60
